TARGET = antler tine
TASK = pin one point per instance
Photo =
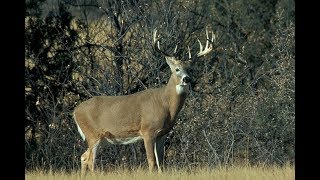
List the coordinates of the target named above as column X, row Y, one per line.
column 200, row 46
column 155, row 41
column 208, row 48
column 189, row 52
column 207, row 42
column 213, row 39
column 175, row 49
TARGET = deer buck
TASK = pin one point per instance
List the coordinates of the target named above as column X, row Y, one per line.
column 147, row 115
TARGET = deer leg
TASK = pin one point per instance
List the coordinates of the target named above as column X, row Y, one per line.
column 92, row 156
column 88, row 157
column 84, row 161
column 149, row 146
column 159, row 151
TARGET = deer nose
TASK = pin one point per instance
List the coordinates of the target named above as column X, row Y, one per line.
column 186, row 79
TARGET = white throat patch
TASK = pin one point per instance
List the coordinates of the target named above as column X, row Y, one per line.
column 182, row 89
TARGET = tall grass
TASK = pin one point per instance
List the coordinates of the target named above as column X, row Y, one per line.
column 233, row 172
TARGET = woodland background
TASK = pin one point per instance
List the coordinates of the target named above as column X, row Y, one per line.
column 242, row 106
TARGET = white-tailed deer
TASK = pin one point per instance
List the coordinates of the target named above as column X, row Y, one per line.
column 147, row 115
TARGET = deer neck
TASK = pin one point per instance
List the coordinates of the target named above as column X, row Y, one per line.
column 174, row 99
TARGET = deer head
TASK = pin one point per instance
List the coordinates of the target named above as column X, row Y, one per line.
column 180, row 69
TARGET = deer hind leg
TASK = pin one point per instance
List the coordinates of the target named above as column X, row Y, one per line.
column 88, row 157
column 84, row 161
column 159, row 151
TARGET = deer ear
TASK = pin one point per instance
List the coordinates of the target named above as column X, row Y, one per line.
column 171, row 60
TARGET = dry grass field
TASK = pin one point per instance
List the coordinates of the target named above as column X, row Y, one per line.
column 237, row 172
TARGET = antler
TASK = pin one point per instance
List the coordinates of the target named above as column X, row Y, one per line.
column 208, row 47
column 156, row 45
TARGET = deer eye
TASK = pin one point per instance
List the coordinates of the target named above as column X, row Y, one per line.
column 177, row 70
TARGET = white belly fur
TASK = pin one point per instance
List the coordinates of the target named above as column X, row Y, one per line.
column 128, row 140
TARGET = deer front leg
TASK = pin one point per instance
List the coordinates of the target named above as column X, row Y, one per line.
column 159, row 151
column 149, row 146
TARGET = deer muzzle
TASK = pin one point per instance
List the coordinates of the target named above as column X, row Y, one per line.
column 186, row 79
